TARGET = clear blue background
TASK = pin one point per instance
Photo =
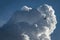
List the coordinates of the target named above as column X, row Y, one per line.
column 8, row 7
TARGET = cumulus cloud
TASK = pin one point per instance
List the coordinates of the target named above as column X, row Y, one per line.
column 25, row 8
column 25, row 37
column 37, row 24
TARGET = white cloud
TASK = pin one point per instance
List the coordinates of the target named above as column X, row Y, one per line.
column 50, row 20
column 26, row 8
column 25, row 36
column 37, row 24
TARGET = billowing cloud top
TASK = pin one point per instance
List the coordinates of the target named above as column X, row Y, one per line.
column 32, row 24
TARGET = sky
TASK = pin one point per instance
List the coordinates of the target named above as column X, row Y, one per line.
column 8, row 7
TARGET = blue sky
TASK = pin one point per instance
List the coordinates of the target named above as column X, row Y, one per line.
column 8, row 7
